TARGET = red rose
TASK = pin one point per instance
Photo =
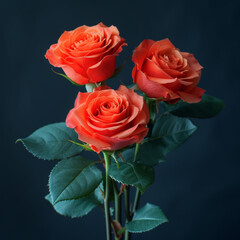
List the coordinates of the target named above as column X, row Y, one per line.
column 162, row 71
column 108, row 119
column 87, row 54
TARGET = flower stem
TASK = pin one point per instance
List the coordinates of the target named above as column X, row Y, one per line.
column 136, row 151
column 117, row 201
column 127, row 235
column 126, row 198
column 106, row 199
column 138, row 194
column 127, row 210
column 136, row 201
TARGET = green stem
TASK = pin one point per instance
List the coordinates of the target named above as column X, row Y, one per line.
column 136, row 151
column 137, row 196
column 117, row 201
column 106, row 198
column 126, row 200
column 136, row 201
column 127, row 210
column 127, row 235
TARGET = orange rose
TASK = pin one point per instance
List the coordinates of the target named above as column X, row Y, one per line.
column 87, row 54
column 162, row 71
column 109, row 120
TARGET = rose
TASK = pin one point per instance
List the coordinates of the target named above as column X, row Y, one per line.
column 109, row 120
column 87, row 54
column 162, row 71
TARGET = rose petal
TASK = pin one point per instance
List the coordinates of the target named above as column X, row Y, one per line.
column 118, row 143
column 192, row 61
column 81, row 98
column 141, row 52
column 152, row 89
column 161, row 46
column 103, row 69
column 132, row 96
column 173, row 73
column 53, row 58
column 93, row 140
column 64, row 36
column 192, row 97
column 74, row 76
column 162, row 80
column 134, row 71
column 153, row 70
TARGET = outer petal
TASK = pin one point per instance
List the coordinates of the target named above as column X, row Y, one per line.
column 92, row 139
column 161, row 46
column 152, row 89
column 141, row 52
column 53, row 58
column 102, row 70
column 118, row 143
column 69, row 122
column 66, row 35
column 74, row 76
column 134, row 72
column 81, row 98
column 192, row 97
column 192, row 62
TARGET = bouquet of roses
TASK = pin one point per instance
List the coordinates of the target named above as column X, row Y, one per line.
column 126, row 127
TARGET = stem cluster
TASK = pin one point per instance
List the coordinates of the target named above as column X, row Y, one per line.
column 117, row 203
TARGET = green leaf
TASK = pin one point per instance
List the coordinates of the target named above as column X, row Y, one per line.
column 52, row 142
column 150, row 153
column 146, row 218
column 48, row 198
column 69, row 79
column 208, row 107
column 169, row 132
column 146, row 155
column 132, row 173
column 73, row 178
column 128, row 155
column 77, row 207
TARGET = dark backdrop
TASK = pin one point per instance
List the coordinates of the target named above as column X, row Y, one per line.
column 198, row 187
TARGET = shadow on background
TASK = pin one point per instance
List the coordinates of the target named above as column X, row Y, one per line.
column 198, row 187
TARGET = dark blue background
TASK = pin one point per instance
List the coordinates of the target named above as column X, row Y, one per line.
column 198, row 187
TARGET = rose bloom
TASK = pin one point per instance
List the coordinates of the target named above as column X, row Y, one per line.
column 162, row 71
column 109, row 120
column 87, row 54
